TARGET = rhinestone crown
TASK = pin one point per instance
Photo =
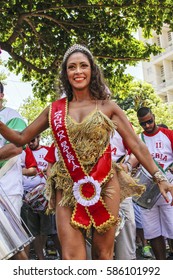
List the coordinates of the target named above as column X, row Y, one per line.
column 74, row 48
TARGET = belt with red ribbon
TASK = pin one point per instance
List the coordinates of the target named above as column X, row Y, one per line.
column 90, row 208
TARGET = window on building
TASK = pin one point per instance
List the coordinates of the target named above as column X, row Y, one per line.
column 172, row 65
column 165, row 99
column 169, row 38
column 162, row 73
column 149, row 71
column 158, row 41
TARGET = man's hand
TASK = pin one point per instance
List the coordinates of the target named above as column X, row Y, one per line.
column 166, row 187
column 125, row 167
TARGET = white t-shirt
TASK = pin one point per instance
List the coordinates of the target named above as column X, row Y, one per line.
column 29, row 182
column 160, row 145
column 118, row 148
column 11, row 182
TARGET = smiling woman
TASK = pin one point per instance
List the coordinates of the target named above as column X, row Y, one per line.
column 78, row 71
column 83, row 182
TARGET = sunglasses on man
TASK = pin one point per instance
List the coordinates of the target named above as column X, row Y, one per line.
column 146, row 122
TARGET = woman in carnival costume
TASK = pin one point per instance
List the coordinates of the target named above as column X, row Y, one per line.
column 83, row 182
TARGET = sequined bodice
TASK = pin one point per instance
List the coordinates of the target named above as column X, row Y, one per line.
column 90, row 137
column 89, row 140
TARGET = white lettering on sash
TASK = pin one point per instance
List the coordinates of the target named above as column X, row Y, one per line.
column 58, row 119
column 62, row 135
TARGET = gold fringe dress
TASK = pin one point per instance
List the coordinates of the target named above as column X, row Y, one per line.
column 89, row 140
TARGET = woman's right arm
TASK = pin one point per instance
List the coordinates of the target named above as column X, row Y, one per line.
column 40, row 124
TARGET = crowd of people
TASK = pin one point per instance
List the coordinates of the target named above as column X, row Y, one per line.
column 86, row 174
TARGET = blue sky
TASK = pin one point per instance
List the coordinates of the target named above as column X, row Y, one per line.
column 17, row 91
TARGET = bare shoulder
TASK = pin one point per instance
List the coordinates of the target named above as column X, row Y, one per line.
column 108, row 104
column 114, row 107
column 110, row 108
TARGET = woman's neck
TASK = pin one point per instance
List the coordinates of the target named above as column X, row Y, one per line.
column 80, row 95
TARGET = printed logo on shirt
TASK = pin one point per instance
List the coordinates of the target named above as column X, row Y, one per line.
column 159, row 145
column 160, row 156
column 114, row 151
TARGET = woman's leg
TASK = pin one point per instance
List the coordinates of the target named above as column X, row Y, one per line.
column 71, row 239
column 103, row 244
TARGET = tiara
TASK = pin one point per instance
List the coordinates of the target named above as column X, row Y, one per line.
column 75, row 48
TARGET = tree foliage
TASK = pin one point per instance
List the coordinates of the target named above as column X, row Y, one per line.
column 3, row 76
column 2, row 80
column 36, row 34
column 139, row 94
column 142, row 94
column 163, row 114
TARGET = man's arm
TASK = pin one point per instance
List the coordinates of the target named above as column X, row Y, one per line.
column 31, row 171
column 9, row 150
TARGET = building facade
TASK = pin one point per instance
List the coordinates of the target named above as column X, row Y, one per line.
column 159, row 70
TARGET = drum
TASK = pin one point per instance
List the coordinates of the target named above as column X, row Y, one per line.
column 152, row 192
column 13, row 235
column 36, row 198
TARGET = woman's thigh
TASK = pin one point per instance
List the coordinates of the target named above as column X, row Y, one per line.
column 71, row 239
column 112, row 195
column 103, row 244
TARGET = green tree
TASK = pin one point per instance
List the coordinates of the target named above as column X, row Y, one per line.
column 36, row 34
column 142, row 94
column 163, row 114
column 2, row 80
column 139, row 94
column 2, row 74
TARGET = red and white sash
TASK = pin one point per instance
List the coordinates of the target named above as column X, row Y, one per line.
column 90, row 207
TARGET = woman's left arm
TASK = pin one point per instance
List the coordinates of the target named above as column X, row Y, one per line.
column 20, row 138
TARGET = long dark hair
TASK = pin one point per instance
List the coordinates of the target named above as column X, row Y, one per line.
column 97, row 85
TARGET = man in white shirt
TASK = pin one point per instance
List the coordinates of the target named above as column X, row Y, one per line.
column 10, row 163
column 38, row 222
column 157, row 222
